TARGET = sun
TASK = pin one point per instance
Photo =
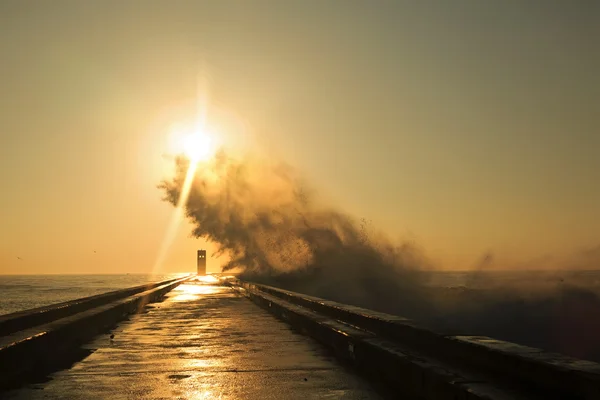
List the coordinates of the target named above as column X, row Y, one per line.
column 195, row 144
column 198, row 146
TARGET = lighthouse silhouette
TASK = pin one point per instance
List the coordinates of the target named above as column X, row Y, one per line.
column 201, row 262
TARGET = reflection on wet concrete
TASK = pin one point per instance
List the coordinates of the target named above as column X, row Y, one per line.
column 190, row 292
column 203, row 342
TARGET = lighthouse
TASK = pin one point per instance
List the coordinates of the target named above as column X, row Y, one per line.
column 201, row 262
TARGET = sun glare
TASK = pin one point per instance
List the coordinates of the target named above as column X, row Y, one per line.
column 195, row 145
column 198, row 144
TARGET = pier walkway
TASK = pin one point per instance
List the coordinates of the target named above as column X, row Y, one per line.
column 207, row 337
column 203, row 341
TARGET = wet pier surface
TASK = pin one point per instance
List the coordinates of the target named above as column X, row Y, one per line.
column 202, row 342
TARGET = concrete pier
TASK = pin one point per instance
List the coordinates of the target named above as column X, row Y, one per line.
column 204, row 341
column 221, row 338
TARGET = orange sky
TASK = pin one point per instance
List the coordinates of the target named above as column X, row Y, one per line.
column 466, row 128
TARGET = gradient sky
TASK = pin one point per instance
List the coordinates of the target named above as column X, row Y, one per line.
column 467, row 126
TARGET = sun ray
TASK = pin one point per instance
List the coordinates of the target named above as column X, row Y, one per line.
column 194, row 158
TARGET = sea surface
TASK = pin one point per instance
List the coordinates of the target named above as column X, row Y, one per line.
column 23, row 292
column 485, row 279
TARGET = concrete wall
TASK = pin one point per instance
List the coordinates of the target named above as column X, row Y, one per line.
column 18, row 321
column 389, row 344
column 35, row 351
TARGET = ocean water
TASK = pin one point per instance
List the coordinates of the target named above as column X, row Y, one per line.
column 543, row 279
column 23, row 292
